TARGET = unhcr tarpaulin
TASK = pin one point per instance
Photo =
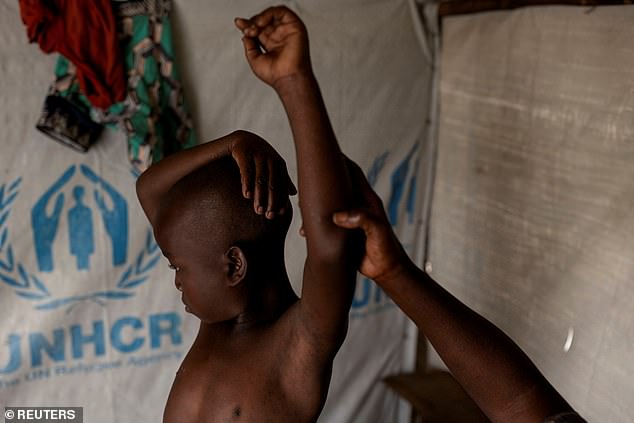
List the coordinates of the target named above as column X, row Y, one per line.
column 88, row 310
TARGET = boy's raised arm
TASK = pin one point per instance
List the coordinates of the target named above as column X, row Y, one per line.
column 256, row 159
column 276, row 47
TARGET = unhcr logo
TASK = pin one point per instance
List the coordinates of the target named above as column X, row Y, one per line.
column 80, row 221
column 86, row 203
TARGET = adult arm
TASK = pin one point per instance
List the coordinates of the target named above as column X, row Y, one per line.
column 257, row 160
column 495, row 372
column 276, row 47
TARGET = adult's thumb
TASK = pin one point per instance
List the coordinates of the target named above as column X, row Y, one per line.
column 350, row 219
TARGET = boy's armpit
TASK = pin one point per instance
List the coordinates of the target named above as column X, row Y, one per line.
column 327, row 292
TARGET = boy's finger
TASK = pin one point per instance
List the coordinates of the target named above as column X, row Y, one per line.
column 246, row 174
column 274, row 203
column 248, row 28
column 273, row 37
column 261, row 185
column 281, row 189
column 267, row 16
column 251, row 49
column 241, row 23
column 264, row 38
column 274, row 15
column 287, row 206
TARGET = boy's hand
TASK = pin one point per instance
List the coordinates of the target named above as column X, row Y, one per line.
column 384, row 256
column 276, row 44
column 263, row 173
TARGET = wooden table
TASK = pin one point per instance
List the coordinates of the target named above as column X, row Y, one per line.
column 436, row 398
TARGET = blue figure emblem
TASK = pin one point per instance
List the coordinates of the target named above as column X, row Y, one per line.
column 115, row 219
column 80, row 230
column 45, row 225
column 112, row 207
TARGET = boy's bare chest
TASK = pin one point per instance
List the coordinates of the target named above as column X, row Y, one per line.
column 256, row 385
column 226, row 393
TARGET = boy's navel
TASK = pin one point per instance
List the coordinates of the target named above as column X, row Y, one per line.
column 237, row 412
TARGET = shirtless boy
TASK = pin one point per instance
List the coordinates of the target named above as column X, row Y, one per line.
column 261, row 354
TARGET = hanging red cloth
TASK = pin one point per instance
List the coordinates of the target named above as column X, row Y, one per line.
column 84, row 32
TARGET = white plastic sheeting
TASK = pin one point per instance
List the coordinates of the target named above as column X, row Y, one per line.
column 533, row 206
column 108, row 335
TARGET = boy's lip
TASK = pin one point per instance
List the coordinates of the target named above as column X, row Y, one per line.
column 187, row 309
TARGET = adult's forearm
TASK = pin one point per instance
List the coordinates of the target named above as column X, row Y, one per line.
column 497, row 374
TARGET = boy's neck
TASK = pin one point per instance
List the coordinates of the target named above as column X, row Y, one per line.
column 270, row 294
column 268, row 303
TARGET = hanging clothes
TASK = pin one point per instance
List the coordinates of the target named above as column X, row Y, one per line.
column 86, row 34
column 153, row 114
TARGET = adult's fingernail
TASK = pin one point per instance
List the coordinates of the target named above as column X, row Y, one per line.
column 260, row 210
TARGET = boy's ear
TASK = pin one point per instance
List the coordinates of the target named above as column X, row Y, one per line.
column 236, row 265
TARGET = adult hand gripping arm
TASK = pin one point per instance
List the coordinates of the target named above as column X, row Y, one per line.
column 495, row 372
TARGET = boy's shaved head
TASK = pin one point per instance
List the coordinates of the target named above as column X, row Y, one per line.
column 209, row 206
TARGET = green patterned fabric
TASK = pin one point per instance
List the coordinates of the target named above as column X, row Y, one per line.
column 153, row 115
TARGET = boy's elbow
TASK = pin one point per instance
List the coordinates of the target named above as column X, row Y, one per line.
column 143, row 194
column 339, row 246
column 140, row 184
column 140, row 189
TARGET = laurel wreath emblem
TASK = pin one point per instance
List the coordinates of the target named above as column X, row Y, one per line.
column 28, row 286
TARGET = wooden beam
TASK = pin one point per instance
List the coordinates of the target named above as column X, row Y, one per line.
column 459, row 7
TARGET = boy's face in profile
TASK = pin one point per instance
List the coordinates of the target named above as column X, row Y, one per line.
column 198, row 268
